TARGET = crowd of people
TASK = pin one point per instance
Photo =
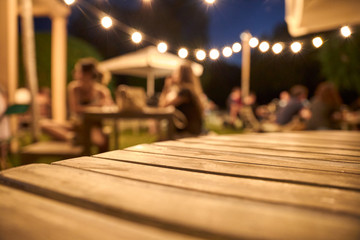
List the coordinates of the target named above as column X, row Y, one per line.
column 294, row 111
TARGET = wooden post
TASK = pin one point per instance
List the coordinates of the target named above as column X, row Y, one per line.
column 9, row 57
column 245, row 67
column 28, row 41
column 150, row 87
column 58, row 67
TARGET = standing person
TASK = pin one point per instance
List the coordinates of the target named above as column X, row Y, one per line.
column 4, row 130
column 234, row 104
column 86, row 91
column 325, row 108
column 297, row 102
column 187, row 99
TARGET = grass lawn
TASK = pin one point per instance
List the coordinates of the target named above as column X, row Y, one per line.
column 126, row 139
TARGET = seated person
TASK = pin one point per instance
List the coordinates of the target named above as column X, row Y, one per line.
column 85, row 91
column 184, row 92
column 295, row 105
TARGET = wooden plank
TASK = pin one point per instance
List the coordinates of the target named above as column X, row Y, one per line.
column 179, row 209
column 284, row 141
column 265, row 152
column 244, row 166
column 343, row 136
column 255, row 145
column 28, row 216
column 254, row 189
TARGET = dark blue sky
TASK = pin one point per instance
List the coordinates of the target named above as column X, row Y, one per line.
column 229, row 18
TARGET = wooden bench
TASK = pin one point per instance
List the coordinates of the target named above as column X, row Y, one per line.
column 301, row 185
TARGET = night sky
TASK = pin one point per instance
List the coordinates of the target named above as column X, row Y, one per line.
column 229, row 18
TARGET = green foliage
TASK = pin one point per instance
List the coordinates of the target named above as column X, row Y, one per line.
column 340, row 61
column 77, row 49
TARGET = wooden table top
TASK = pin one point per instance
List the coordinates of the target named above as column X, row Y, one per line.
column 296, row 185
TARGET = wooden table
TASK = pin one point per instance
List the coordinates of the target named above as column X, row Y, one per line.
column 94, row 116
column 299, row 185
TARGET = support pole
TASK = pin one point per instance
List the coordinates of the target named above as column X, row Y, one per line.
column 28, row 41
column 58, row 68
column 150, row 88
column 245, row 67
column 9, row 57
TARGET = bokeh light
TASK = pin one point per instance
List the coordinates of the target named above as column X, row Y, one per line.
column 227, row 52
column 162, row 47
column 317, row 42
column 136, row 37
column 253, row 42
column 69, row 2
column 183, row 52
column 214, row 54
column 236, row 47
column 295, row 47
column 106, row 22
column 200, row 55
column 345, row 31
column 210, row 1
column 264, row 46
column 277, row 48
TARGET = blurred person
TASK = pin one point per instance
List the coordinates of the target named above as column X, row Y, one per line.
column 234, row 104
column 297, row 102
column 325, row 108
column 183, row 91
column 86, row 91
column 4, row 129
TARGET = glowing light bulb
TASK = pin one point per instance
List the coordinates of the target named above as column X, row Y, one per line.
column 200, row 55
column 69, row 2
column 317, row 42
column 295, row 47
column 106, row 22
column 183, row 53
column 264, row 46
column 253, row 42
column 236, row 47
column 214, row 54
column 345, row 31
column 210, row 1
column 277, row 48
column 162, row 47
column 136, row 37
column 227, row 52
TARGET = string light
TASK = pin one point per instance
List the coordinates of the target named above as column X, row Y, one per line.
column 295, row 47
column 345, row 31
column 210, row 1
column 136, row 37
column 162, row 47
column 69, row 2
column 200, row 55
column 317, row 42
column 183, row 53
column 253, row 42
column 264, row 46
column 227, row 52
column 106, row 22
column 236, row 47
column 214, row 54
column 277, row 48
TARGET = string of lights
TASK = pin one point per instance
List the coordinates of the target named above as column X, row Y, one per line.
column 227, row 51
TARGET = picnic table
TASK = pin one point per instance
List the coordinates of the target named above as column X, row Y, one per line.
column 296, row 185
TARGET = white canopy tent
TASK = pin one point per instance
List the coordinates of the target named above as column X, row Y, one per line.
column 310, row 16
column 148, row 63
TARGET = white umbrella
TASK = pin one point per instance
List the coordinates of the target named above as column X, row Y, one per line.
column 148, row 63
